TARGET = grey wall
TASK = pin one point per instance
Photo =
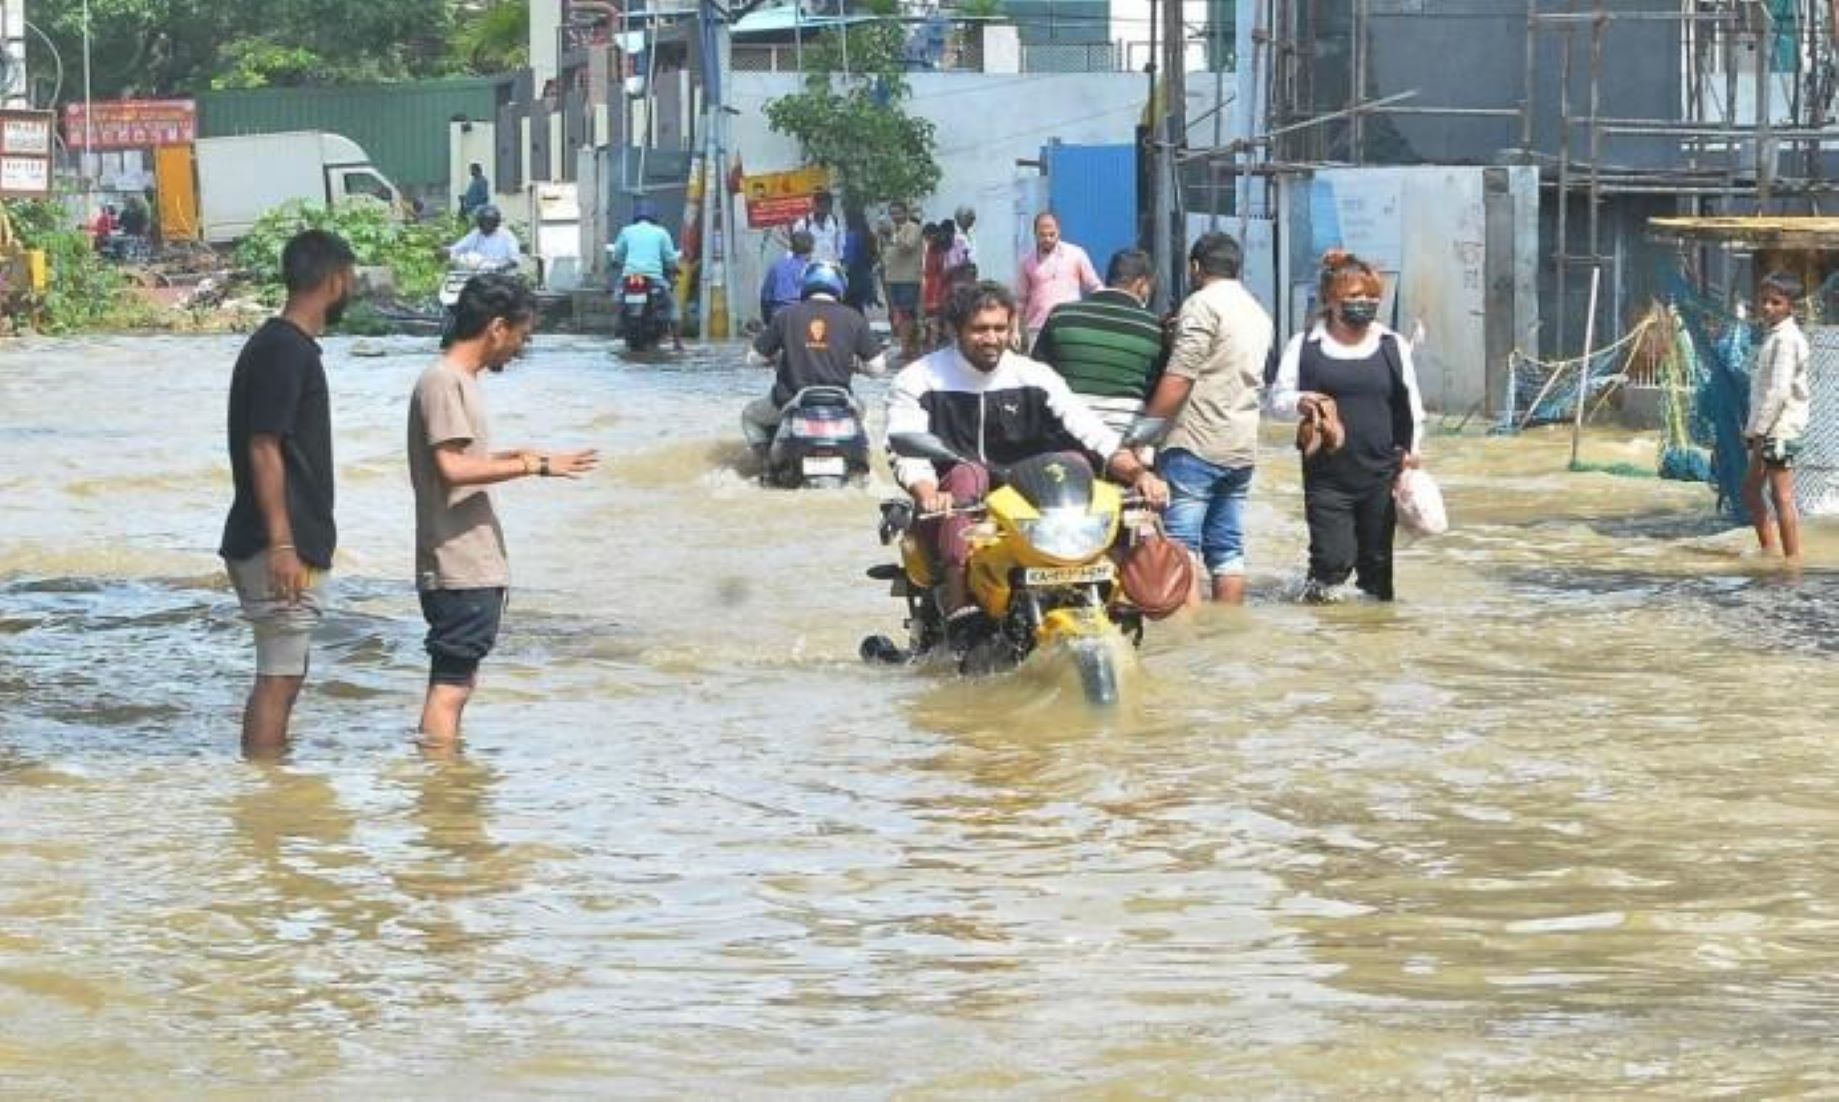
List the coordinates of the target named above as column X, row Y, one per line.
column 1425, row 228
column 1472, row 53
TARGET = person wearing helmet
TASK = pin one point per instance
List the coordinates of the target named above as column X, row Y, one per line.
column 645, row 248
column 489, row 245
column 817, row 341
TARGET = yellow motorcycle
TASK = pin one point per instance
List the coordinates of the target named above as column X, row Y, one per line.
column 1041, row 572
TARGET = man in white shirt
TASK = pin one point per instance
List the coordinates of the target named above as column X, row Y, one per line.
column 825, row 228
column 489, row 244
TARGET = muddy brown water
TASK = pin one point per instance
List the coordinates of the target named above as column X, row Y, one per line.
column 1560, row 822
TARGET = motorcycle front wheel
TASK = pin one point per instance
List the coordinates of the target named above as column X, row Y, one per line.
column 1097, row 666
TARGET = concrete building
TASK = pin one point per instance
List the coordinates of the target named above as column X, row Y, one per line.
column 1627, row 108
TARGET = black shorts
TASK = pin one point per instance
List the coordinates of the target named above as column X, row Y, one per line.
column 1779, row 454
column 462, row 627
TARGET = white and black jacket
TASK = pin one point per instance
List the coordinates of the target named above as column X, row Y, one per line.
column 1022, row 408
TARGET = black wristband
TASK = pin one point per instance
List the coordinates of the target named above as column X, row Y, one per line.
column 542, row 466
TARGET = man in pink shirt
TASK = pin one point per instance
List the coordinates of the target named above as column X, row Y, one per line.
column 1056, row 272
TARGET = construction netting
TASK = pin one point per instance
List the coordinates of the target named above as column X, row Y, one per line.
column 1694, row 355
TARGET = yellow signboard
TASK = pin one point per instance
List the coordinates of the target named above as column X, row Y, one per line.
column 782, row 198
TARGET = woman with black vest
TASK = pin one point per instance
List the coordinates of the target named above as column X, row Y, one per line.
column 1350, row 368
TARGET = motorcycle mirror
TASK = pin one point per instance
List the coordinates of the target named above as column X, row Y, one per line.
column 922, row 445
column 1145, row 430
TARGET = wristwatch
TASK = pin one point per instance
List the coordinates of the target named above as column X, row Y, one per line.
column 542, row 466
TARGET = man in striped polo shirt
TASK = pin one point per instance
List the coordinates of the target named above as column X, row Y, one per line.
column 1108, row 346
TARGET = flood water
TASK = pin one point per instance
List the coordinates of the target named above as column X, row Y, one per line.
column 1559, row 822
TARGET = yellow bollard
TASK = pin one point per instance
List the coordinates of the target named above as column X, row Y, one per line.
column 718, row 312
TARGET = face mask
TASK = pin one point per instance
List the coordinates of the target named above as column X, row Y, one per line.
column 336, row 312
column 1358, row 315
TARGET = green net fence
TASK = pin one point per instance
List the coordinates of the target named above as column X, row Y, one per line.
column 1695, row 352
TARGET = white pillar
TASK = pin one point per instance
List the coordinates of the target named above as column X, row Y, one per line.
column 13, row 39
column 545, row 30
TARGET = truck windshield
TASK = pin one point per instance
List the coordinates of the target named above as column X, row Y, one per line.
column 368, row 184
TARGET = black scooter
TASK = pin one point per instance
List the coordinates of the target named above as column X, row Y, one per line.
column 644, row 316
column 821, row 442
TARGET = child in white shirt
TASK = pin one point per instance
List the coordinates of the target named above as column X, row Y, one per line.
column 1780, row 396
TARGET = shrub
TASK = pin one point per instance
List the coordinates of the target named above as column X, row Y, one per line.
column 84, row 291
column 416, row 252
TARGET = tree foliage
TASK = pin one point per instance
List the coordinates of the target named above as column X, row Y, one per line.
column 416, row 252
column 493, row 37
column 167, row 47
column 849, row 117
column 84, row 292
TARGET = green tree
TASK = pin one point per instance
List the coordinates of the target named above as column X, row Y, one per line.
column 849, row 117
column 493, row 37
column 166, row 47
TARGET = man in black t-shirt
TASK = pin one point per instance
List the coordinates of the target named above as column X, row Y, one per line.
column 816, row 342
column 279, row 537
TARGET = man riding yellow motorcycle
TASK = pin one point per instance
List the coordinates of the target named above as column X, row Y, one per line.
column 975, row 416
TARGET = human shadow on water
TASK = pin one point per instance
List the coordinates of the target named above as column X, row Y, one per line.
column 1774, row 608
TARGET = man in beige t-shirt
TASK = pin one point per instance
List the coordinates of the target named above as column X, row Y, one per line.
column 461, row 569
column 1212, row 388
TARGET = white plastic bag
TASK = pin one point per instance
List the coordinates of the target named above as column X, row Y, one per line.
column 1420, row 503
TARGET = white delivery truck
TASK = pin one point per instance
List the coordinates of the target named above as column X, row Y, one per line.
column 244, row 177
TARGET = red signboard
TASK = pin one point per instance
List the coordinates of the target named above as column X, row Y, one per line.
column 130, row 124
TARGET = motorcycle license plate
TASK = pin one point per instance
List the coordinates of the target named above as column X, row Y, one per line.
column 826, row 465
column 1069, row 575
column 637, row 300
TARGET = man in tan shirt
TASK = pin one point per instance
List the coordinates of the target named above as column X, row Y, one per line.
column 903, row 252
column 1212, row 388
column 461, row 569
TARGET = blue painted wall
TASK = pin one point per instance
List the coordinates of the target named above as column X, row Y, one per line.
column 1093, row 188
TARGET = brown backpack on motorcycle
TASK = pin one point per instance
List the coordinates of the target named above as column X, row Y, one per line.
column 1157, row 574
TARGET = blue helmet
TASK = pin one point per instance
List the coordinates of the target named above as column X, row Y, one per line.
column 644, row 211
column 823, row 278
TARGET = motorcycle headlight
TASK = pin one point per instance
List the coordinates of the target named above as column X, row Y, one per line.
column 1068, row 534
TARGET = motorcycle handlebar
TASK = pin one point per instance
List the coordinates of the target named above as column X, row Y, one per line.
column 954, row 511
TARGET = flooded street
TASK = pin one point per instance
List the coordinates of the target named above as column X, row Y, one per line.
column 1560, row 822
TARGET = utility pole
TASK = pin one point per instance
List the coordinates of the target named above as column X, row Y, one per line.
column 1170, row 140
column 717, row 235
column 89, row 127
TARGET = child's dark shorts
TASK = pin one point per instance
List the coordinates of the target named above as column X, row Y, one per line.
column 462, row 628
column 1778, row 453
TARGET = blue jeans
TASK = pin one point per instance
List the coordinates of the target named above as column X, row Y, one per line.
column 1206, row 510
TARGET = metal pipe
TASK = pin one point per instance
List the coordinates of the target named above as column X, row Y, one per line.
column 1239, row 144
column 1730, row 105
column 1356, row 124
column 1477, row 112
column 89, row 126
column 1594, row 213
column 1687, row 130
column 1583, row 369
column 1526, row 97
column 1562, row 250
column 1634, row 16
column 1765, row 144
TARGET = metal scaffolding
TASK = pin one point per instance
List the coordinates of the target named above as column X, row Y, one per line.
column 1311, row 70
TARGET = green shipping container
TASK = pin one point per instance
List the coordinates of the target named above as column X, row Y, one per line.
column 403, row 127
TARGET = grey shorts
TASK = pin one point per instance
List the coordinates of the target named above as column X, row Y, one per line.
column 283, row 630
